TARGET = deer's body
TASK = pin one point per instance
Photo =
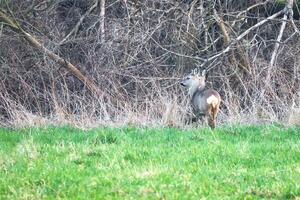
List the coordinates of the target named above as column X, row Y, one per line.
column 205, row 102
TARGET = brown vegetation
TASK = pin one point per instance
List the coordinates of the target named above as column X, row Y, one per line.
column 110, row 62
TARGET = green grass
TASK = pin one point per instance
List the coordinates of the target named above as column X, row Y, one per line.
column 141, row 163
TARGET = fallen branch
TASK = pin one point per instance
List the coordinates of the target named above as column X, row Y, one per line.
column 7, row 21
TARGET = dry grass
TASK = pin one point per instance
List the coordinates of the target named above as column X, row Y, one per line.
column 160, row 112
column 155, row 101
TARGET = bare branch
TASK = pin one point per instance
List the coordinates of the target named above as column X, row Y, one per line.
column 190, row 15
column 35, row 43
column 102, row 20
column 287, row 10
column 241, row 36
column 250, row 8
column 222, row 26
column 76, row 27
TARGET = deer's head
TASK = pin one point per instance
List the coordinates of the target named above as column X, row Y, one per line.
column 194, row 80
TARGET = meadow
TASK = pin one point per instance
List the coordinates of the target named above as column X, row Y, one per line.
column 240, row 162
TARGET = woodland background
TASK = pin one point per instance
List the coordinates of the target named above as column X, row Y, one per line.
column 115, row 62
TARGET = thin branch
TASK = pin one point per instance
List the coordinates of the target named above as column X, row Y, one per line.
column 287, row 10
column 250, row 8
column 278, row 42
column 228, row 48
column 102, row 20
column 175, row 53
column 76, row 27
column 241, row 36
column 190, row 20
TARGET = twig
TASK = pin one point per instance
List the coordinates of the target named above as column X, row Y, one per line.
column 190, row 15
column 76, row 27
column 177, row 54
column 102, row 20
column 250, row 8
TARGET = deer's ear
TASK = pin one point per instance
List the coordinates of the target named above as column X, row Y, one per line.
column 203, row 73
column 193, row 71
column 198, row 72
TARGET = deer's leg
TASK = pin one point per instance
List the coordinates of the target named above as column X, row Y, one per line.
column 198, row 116
column 212, row 117
column 190, row 118
column 194, row 119
column 211, row 121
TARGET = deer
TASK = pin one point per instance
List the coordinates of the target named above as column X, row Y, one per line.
column 205, row 102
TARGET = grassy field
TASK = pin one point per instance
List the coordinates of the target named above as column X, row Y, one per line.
column 142, row 163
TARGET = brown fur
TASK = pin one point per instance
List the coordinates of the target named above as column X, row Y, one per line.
column 205, row 102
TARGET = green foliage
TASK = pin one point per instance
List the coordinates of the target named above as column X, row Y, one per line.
column 280, row 2
column 283, row 2
column 255, row 162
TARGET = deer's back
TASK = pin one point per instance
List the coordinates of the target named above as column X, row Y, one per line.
column 204, row 99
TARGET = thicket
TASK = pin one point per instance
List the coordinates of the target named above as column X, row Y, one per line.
column 91, row 62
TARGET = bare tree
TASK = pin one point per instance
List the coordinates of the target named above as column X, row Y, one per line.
column 135, row 51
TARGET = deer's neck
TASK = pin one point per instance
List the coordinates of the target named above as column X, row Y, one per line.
column 194, row 89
